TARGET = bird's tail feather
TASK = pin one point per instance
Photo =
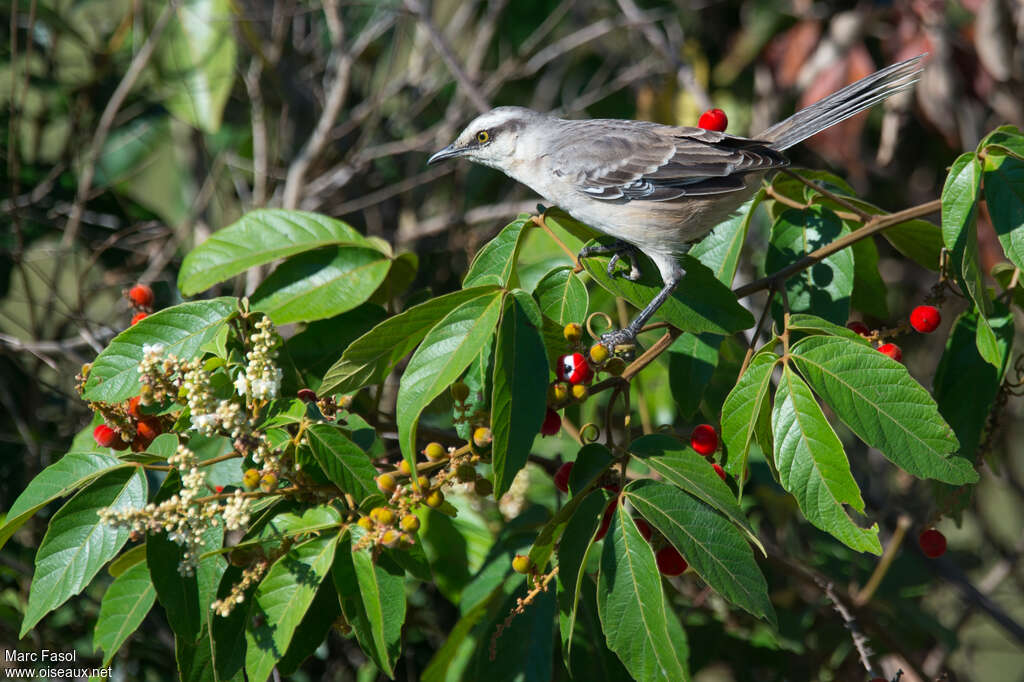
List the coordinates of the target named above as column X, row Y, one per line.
column 843, row 104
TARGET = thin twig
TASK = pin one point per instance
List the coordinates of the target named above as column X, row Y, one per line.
column 863, row 215
column 860, row 641
column 868, row 591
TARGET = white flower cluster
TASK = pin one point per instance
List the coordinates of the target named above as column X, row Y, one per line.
column 158, row 374
column 209, row 415
column 250, row 576
column 262, row 378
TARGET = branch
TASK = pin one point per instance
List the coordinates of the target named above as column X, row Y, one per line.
column 860, row 641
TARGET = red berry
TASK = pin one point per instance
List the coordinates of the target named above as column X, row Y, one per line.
column 718, row 470
column 562, row 476
column 606, row 520
column 892, row 350
column 552, row 423
column 141, row 296
column 104, row 436
column 574, row 369
column 704, row 439
column 933, row 543
column 307, row 395
column 643, row 527
column 713, row 119
column 139, row 316
column 858, row 327
column 146, row 432
column 219, row 488
column 133, row 407
column 670, row 561
column 878, row 679
column 925, row 318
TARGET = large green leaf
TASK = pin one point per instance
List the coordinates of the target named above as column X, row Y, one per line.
column 1004, row 194
column 691, row 363
column 496, row 261
column 77, row 543
column 446, row 350
column 720, row 250
column 343, row 461
column 313, row 629
column 373, row 355
column 745, row 411
column 63, row 477
column 562, row 296
column 281, row 601
column 682, row 466
column 182, row 330
column 638, row 624
column 372, row 594
column 876, row 397
column 869, row 289
column 813, row 467
column 584, row 651
column 321, row 284
column 125, row 604
column 259, row 237
column 715, row 549
column 186, row 599
column 518, row 398
column 196, row 59
column 701, row 303
column 573, row 551
column 826, row 286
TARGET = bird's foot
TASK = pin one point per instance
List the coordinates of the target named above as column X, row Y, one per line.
column 619, row 341
column 619, row 249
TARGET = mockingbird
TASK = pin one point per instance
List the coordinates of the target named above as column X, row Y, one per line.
column 656, row 188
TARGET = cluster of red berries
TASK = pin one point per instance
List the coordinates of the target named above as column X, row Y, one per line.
column 146, row 427
column 704, row 440
column 923, row 319
column 141, row 297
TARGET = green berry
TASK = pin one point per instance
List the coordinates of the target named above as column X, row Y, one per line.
column 382, row 515
column 483, row 487
column 268, row 482
column 435, row 499
column 365, row 523
column 521, row 563
column 460, row 391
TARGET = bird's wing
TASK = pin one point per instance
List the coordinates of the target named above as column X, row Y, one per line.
column 630, row 160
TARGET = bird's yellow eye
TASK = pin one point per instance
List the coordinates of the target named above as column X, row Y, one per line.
column 483, row 136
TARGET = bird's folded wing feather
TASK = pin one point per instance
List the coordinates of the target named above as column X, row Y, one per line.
column 626, row 160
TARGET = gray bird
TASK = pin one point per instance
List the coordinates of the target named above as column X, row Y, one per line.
column 656, row 188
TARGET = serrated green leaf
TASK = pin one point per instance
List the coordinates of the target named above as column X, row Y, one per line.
column 721, row 249
column 714, row 547
column 372, row 356
column 699, row 304
column 69, row 473
column 343, row 461
column 518, row 397
column 182, row 330
column 691, row 363
column 496, row 261
column 125, row 604
column 584, row 652
column 745, row 411
column 562, row 296
column 320, row 284
column 77, row 543
column 876, row 397
column 813, row 467
column 282, row 599
column 683, row 467
column 446, row 351
column 812, row 324
column 634, row 613
column 1004, row 195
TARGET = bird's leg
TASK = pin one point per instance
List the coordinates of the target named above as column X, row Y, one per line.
column 618, row 250
column 627, row 337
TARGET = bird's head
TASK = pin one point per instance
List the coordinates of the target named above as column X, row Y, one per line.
column 491, row 139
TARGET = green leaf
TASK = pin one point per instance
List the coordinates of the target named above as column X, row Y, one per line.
column 869, row 289
column 573, row 551
column 227, row 634
column 372, row 595
column 721, row 249
column 963, row 372
column 259, row 237
column 519, row 395
column 562, row 296
column 825, row 287
column 446, row 351
column 186, row 599
column 313, row 628
column 195, row 659
column 343, row 461
column 876, row 397
column 813, row 467
column 1004, row 194
column 372, row 356
column 634, row 612
column 592, row 460
column 682, row 466
column 691, row 363
column 918, row 240
column 281, row 601
column 69, row 473
column 699, row 304
column 496, row 261
column 320, row 284
column 584, row 652
column 746, row 410
column 125, row 604
column 182, row 330
column 712, row 545
column 812, row 324
column 126, row 560
column 77, row 543
column 196, row 58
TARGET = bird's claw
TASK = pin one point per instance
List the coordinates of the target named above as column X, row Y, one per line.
column 619, row 341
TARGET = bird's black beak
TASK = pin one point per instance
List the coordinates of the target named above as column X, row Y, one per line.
column 447, row 153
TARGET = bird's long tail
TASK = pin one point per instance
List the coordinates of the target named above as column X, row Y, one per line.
column 843, row 104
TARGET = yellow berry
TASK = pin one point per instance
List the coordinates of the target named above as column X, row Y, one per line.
column 466, row 472
column 390, row 538
column 409, row 523
column 580, row 392
column 268, row 482
column 382, row 515
column 365, row 522
column 251, row 479
column 424, row 483
column 435, row 499
column 483, row 487
column 434, row 451
column 404, row 468
column 387, row 483
column 615, row 366
column 558, row 392
column 482, row 437
column 573, row 333
column 460, row 391
column 598, row 353
column 345, row 402
column 521, row 563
